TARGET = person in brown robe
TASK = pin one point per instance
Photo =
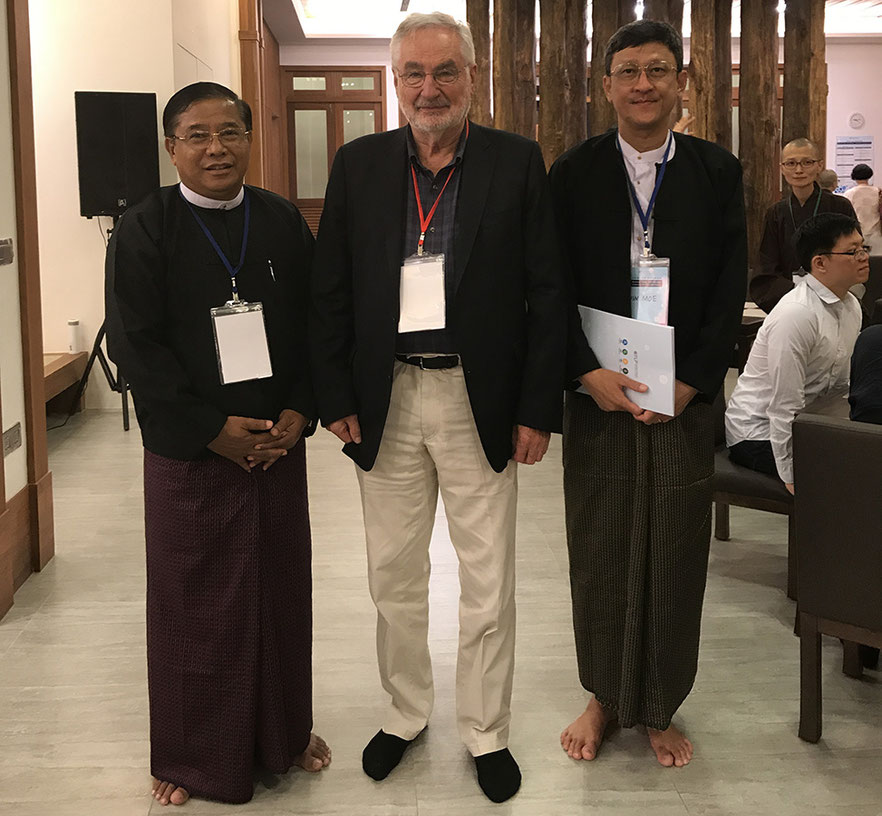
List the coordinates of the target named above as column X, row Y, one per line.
column 229, row 594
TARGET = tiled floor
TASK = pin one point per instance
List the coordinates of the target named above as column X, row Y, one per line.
column 73, row 704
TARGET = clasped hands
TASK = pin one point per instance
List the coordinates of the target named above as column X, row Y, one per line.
column 251, row 442
column 608, row 390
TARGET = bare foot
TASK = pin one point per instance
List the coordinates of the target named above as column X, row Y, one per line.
column 316, row 756
column 670, row 746
column 168, row 793
column 581, row 739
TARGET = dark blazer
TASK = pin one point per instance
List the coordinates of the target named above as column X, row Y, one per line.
column 509, row 311
column 699, row 225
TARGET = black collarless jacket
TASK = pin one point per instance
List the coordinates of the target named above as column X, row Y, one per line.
column 162, row 280
column 699, row 225
column 509, row 311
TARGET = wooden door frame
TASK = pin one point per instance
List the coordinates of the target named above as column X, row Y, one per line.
column 27, row 534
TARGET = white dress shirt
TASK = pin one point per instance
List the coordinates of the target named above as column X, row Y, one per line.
column 642, row 169
column 211, row 203
column 802, row 352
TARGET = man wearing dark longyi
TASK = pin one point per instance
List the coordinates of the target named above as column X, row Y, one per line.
column 637, row 484
column 206, row 298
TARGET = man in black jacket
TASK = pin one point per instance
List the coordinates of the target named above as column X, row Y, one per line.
column 438, row 341
column 229, row 587
column 637, row 484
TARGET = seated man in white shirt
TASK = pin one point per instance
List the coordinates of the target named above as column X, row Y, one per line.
column 803, row 349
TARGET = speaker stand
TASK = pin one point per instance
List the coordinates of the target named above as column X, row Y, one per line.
column 117, row 384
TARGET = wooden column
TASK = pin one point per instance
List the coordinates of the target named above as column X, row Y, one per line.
column 39, row 512
column 514, row 66
column 478, row 16
column 669, row 11
column 563, row 85
column 710, row 71
column 758, row 113
column 805, row 74
column 607, row 16
column 251, row 60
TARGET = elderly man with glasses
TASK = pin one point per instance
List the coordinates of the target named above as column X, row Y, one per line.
column 777, row 261
column 803, row 350
column 640, row 205
column 207, row 297
column 437, row 342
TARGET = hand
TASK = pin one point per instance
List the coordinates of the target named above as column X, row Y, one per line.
column 683, row 123
column 286, row 434
column 530, row 445
column 607, row 389
column 238, row 437
column 789, row 486
column 347, row 429
column 683, row 395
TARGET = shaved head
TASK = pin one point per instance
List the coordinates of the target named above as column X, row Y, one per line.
column 802, row 142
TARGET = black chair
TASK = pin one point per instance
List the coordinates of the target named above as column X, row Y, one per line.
column 743, row 487
column 838, row 521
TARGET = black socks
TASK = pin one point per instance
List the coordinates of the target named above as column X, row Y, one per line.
column 498, row 775
column 382, row 754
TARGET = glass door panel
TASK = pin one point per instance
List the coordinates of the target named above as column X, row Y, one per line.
column 311, row 153
column 358, row 123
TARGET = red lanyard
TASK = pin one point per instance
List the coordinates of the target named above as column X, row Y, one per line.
column 426, row 220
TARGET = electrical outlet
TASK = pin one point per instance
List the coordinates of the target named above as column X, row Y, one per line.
column 12, row 439
column 7, row 254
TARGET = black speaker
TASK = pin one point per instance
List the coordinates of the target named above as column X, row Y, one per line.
column 117, row 150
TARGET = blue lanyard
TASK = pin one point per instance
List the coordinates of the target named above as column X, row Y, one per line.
column 220, row 253
column 645, row 216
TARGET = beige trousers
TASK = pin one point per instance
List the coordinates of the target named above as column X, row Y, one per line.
column 430, row 441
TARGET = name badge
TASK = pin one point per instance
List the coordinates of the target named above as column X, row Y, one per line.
column 422, row 301
column 650, row 289
column 240, row 341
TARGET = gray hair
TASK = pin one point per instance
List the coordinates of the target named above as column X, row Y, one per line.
column 437, row 19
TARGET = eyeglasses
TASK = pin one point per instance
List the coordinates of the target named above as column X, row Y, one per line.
column 629, row 72
column 859, row 254
column 792, row 164
column 443, row 76
column 230, row 137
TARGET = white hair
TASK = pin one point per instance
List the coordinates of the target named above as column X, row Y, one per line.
column 437, row 19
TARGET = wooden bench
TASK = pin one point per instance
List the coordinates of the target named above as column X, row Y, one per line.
column 61, row 374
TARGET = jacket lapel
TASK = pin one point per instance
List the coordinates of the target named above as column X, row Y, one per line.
column 478, row 163
column 391, row 198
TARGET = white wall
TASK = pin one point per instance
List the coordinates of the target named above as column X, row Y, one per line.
column 105, row 45
column 854, row 70
column 206, row 42
column 11, row 371
column 358, row 52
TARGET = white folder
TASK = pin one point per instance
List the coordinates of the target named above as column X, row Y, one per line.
column 642, row 351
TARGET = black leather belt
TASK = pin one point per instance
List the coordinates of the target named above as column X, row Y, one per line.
column 429, row 363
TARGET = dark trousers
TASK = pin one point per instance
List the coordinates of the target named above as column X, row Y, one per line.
column 755, row 454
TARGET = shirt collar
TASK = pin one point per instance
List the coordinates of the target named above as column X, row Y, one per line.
column 821, row 290
column 211, row 203
column 414, row 155
column 635, row 156
column 813, row 196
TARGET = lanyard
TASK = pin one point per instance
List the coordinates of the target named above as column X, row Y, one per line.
column 790, row 205
column 220, row 253
column 426, row 220
column 645, row 216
